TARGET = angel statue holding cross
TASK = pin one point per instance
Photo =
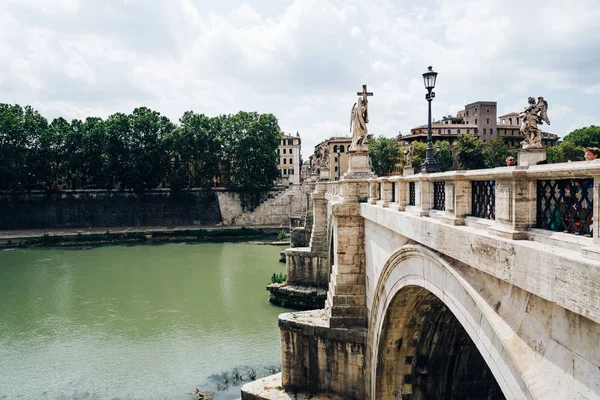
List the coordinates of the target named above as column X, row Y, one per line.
column 359, row 117
column 531, row 117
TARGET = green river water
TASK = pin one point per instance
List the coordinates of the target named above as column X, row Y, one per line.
column 134, row 322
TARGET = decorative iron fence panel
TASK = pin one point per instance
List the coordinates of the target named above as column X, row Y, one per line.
column 411, row 193
column 566, row 205
column 483, row 199
column 439, row 196
column 393, row 192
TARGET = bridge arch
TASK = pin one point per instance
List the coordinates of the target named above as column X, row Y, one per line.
column 427, row 324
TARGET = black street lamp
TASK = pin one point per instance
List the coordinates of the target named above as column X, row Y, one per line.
column 430, row 164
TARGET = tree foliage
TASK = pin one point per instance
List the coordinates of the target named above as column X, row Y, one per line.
column 444, row 155
column 495, row 153
column 469, row 152
column 584, row 137
column 384, row 154
column 564, row 152
column 137, row 151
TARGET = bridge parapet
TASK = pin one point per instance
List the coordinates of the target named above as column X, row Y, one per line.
column 520, row 202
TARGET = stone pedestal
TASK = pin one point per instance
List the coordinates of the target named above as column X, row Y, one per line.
column 324, row 174
column 314, row 177
column 406, row 171
column 359, row 166
column 531, row 156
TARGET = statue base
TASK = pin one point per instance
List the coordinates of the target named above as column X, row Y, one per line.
column 408, row 171
column 324, row 175
column 314, row 177
column 531, row 156
column 359, row 165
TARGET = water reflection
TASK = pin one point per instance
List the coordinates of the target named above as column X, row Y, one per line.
column 108, row 321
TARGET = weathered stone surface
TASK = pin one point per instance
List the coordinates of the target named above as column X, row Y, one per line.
column 297, row 297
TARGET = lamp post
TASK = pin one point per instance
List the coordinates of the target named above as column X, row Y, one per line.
column 430, row 164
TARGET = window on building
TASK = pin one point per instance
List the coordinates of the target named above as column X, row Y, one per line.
column 290, row 151
column 291, row 171
column 341, row 148
column 284, row 151
column 487, row 121
column 491, row 131
column 487, row 111
column 284, row 172
column 475, row 121
column 458, row 131
column 517, row 121
column 484, row 131
column 467, row 113
column 285, row 160
column 335, row 169
column 277, row 151
column 510, row 121
column 335, row 159
column 449, row 131
column 291, row 162
column 335, row 148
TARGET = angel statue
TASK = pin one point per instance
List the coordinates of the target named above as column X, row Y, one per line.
column 531, row 117
column 408, row 155
column 359, row 117
column 324, row 156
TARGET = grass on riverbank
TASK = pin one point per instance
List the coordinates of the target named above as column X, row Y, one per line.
column 196, row 235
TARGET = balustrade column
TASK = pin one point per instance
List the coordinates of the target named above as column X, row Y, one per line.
column 593, row 251
column 386, row 191
column 423, row 196
column 373, row 191
column 401, row 196
column 458, row 200
column 515, row 206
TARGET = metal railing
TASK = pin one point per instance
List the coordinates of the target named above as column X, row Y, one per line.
column 439, row 195
column 483, row 199
column 565, row 205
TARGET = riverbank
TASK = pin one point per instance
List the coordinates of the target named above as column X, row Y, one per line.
column 117, row 235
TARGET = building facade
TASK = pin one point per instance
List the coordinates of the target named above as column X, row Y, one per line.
column 338, row 157
column 480, row 119
column 290, row 160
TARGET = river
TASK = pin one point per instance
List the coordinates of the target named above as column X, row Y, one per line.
column 134, row 322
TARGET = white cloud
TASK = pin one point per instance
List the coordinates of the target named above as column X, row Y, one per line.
column 302, row 60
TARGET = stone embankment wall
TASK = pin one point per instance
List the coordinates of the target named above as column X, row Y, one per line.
column 275, row 210
column 100, row 208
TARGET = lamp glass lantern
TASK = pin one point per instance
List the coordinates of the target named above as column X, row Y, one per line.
column 429, row 78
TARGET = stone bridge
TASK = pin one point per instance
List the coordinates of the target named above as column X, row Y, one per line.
column 477, row 284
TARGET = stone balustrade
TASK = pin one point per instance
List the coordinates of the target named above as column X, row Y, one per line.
column 511, row 202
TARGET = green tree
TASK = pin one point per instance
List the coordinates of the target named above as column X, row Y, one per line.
column 118, row 148
column 495, row 153
column 249, row 159
column 148, row 157
column 444, row 155
column 584, row 137
column 564, row 152
column 384, row 154
column 194, row 148
column 469, row 152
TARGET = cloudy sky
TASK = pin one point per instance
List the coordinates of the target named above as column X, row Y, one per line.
column 302, row 60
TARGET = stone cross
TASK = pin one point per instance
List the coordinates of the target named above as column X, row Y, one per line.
column 364, row 93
